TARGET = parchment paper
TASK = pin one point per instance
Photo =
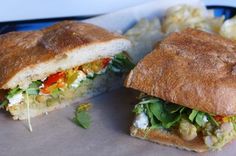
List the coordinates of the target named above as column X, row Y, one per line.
column 55, row 135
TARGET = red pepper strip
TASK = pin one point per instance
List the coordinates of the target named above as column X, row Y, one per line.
column 105, row 62
column 218, row 118
column 53, row 79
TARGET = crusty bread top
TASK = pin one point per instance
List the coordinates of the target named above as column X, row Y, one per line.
column 24, row 54
column 191, row 68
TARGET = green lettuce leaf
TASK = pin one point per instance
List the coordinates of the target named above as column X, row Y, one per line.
column 160, row 113
column 82, row 119
column 172, row 108
column 138, row 109
column 33, row 88
column 121, row 63
column 193, row 115
column 212, row 120
column 3, row 103
column 167, row 119
column 153, row 122
column 166, row 114
column 56, row 92
column 13, row 92
column 200, row 119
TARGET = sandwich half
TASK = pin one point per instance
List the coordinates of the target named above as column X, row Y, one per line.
column 188, row 92
column 50, row 68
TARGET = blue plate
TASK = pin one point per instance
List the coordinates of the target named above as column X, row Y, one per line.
column 227, row 11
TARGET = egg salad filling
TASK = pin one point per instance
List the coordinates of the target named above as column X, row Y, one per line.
column 155, row 113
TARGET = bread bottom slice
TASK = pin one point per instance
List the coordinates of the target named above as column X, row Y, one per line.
column 87, row 89
column 164, row 137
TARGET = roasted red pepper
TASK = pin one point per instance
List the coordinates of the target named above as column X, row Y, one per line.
column 53, row 79
column 105, row 62
column 59, row 78
column 218, row 118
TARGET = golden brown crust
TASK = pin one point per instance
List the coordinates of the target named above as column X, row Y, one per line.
column 170, row 139
column 19, row 50
column 191, row 68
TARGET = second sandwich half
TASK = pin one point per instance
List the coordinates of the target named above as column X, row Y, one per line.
column 188, row 92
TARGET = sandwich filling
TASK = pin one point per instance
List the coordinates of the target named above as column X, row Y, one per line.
column 62, row 84
column 155, row 113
